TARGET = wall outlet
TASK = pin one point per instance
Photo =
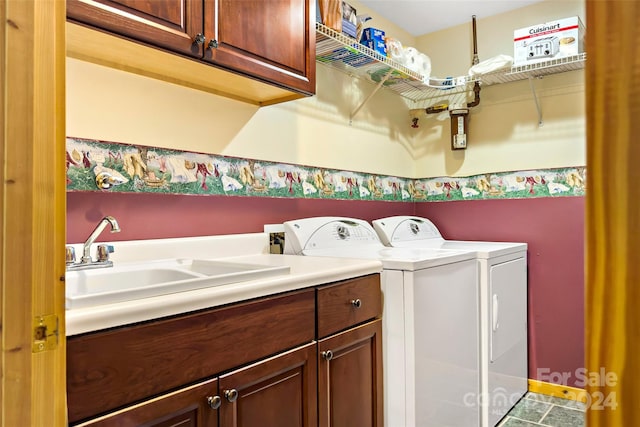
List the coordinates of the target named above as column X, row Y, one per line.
column 276, row 243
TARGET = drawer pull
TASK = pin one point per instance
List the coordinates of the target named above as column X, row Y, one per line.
column 356, row 303
column 231, row 395
column 327, row 355
column 214, row 402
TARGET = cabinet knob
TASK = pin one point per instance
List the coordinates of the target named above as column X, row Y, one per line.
column 214, row 402
column 356, row 303
column 199, row 38
column 213, row 44
column 231, row 395
column 327, row 355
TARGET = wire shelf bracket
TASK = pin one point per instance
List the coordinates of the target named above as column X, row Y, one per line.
column 375, row 90
column 535, row 100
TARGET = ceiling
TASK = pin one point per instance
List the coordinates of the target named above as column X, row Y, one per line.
column 419, row 17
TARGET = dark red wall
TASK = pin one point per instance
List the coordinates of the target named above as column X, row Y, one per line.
column 553, row 228
column 554, row 231
column 157, row 216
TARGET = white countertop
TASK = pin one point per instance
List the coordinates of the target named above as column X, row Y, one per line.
column 305, row 271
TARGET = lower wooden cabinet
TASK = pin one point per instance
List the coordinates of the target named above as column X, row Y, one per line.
column 305, row 358
column 279, row 391
column 116, row 368
column 350, row 378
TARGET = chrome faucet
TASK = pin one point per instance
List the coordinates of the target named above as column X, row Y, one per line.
column 103, row 250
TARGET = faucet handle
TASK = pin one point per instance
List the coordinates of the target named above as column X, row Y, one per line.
column 104, row 251
column 70, row 255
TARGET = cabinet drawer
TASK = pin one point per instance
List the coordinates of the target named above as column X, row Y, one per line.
column 342, row 305
column 110, row 369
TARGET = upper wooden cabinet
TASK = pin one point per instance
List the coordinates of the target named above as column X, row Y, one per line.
column 272, row 41
column 169, row 24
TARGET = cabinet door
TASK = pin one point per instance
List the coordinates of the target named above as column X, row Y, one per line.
column 168, row 24
column 272, row 40
column 276, row 392
column 189, row 407
column 166, row 354
column 350, row 378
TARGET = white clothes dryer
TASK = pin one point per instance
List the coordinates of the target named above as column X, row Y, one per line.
column 503, row 307
column 429, row 321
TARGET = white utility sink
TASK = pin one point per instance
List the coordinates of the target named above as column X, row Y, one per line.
column 131, row 281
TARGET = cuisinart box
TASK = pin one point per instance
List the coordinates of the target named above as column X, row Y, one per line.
column 551, row 40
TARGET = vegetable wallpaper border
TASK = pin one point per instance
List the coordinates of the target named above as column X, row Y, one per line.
column 94, row 165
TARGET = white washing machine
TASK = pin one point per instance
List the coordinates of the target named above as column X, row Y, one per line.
column 503, row 307
column 429, row 322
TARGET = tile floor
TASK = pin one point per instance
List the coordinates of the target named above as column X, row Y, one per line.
column 535, row 410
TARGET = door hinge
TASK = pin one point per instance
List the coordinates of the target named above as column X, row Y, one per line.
column 45, row 333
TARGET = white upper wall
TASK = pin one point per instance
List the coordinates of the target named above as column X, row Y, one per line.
column 503, row 130
column 451, row 50
column 377, row 21
column 112, row 105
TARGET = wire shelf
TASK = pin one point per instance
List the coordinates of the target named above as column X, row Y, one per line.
column 345, row 54
column 522, row 72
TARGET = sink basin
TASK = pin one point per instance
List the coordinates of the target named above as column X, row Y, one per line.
column 215, row 268
column 98, row 281
column 85, row 288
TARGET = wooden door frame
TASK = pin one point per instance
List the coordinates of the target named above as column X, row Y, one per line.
column 33, row 211
column 612, row 316
column 32, row 45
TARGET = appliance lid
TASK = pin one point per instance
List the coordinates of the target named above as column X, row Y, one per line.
column 407, row 228
column 407, row 259
column 485, row 250
column 416, row 232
